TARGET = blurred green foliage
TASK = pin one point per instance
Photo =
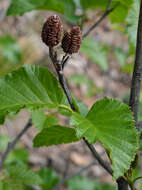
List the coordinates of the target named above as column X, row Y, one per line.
column 82, row 183
column 95, row 51
column 10, row 55
column 18, row 176
column 80, row 79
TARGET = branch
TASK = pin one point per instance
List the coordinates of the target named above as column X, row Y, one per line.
column 135, row 85
column 122, row 184
column 64, row 180
column 106, row 13
column 137, row 73
column 12, row 144
column 58, row 66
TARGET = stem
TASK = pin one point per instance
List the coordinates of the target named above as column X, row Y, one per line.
column 65, row 107
column 12, row 144
column 122, row 184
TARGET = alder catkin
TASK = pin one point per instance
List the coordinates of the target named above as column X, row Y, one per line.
column 72, row 40
column 52, row 31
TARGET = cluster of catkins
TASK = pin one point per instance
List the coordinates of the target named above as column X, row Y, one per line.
column 52, row 35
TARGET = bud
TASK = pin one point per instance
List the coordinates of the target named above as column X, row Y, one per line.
column 72, row 40
column 52, row 31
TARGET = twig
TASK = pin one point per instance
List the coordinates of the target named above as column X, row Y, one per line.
column 59, row 70
column 98, row 158
column 109, row 4
column 64, row 180
column 140, row 177
column 137, row 73
column 58, row 66
column 65, row 61
column 12, row 144
column 106, row 13
column 139, row 125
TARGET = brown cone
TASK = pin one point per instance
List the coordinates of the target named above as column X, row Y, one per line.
column 72, row 40
column 52, row 31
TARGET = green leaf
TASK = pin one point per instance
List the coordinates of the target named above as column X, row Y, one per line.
column 10, row 55
column 55, row 135
column 18, row 154
column 41, row 120
column 18, row 171
column 2, row 117
column 95, row 51
column 1, row 185
column 132, row 22
column 82, row 183
column 29, row 87
column 80, row 79
column 10, row 184
column 83, row 109
column 110, row 122
column 4, row 140
column 117, row 15
column 121, row 56
column 94, row 4
column 49, row 178
column 66, row 7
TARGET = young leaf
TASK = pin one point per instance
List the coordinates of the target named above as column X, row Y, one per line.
column 95, row 51
column 41, row 121
column 110, row 122
column 55, row 135
column 29, row 87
